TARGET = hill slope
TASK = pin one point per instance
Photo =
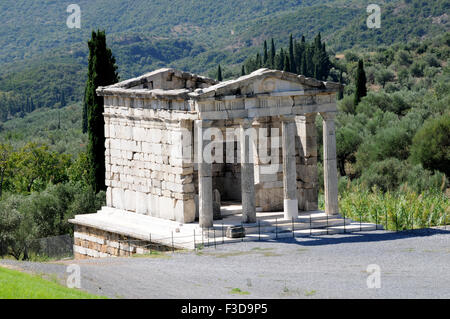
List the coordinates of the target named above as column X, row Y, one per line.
column 43, row 60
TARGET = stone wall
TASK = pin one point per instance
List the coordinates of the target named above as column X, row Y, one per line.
column 145, row 170
column 94, row 243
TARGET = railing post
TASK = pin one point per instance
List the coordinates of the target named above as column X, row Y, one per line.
column 376, row 219
column 344, row 223
column 310, row 225
column 386, row 220
column 150, row 243
column 276, row 228
column 203, row 239
column 293, row 234
column 223, row 235
column 327, row 223
column 173, row 248
column 214, row 230
column 194, row 240
column 259, row 230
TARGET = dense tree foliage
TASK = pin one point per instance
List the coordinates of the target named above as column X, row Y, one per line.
column 309, row 59
column 101, row 72
column 361, row 90
column 219, row 74
column 48, row 70
column 431, row 144
column 398, row 133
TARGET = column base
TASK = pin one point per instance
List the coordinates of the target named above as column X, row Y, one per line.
column 290, row 208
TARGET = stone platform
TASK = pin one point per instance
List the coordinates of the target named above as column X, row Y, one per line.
column 114, row 232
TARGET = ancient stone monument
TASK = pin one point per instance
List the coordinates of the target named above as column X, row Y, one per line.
column 159, row 126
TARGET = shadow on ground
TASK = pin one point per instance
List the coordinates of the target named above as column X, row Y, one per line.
column 355, row 237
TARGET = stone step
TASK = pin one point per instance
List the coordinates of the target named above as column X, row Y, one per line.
column 266, row 227
column 351, row 228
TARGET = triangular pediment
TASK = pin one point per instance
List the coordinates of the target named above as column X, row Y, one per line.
column 265, row 81
column 164, row 79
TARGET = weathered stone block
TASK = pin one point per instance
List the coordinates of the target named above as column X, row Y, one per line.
column 235, row 232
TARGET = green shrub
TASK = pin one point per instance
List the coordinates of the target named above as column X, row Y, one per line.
column 386, row 175
column 431, row 144
column 417, row 69
column 24, row 218
column 403, row 58
column 404, row 209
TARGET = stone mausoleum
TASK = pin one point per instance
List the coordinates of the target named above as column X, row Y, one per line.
column 156, row 126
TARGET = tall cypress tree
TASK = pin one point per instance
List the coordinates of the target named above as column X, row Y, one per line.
column 242, row 70
column 272, row 54
column 63, row 99
column 102, row 71
column 292, row 67
column 360, row 81
column 258, row 61
column 341, row 91
column 31, row 105
column 266, row 55
column 279, row 60
column 287, row 65
column 219, row 73
column 308, row 61
column 28, row 105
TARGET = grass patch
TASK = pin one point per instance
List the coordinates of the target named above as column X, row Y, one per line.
column 237, row 291
column 271, row 254
column 18, row 285
column 310, row 293
column 400, row 210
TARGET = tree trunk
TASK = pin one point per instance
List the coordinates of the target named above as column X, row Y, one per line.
column 341, row 165
column 25, row 254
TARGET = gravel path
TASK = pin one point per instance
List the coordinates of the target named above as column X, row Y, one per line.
column 413, row 264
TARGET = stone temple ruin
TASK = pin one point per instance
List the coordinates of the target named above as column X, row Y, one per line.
column 156, row 126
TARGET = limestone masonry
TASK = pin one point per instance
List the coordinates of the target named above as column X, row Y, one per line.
column 157, row 124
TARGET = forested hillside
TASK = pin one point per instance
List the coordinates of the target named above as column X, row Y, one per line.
column 43, row 60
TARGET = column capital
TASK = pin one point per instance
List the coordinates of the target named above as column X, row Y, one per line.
column 328, row 116
column 245, row 122
column 287, row 118
column 203, row 123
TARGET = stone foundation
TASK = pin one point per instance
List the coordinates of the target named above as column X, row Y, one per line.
column 94, row 243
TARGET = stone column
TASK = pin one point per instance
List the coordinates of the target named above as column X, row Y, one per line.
column 247, row 174
column 205, row 194
column 330, row 164
column 307, row 178
column 290, row 202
